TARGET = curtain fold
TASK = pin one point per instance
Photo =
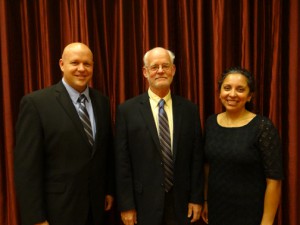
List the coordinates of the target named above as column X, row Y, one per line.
column 206, row 36
column 275, row 49
column 291, row 70
column 8, row 213
column 218, row 38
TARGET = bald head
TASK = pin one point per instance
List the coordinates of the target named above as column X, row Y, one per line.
column 76, row 46
column 76, row 64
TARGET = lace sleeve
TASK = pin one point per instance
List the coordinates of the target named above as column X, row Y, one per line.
column 270, row 147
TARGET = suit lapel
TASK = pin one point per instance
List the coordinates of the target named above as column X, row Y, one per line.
column 147, row 114
column 98, row 113
column 177, row 120
column 66, row 103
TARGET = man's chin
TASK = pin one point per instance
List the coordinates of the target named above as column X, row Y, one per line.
column 162, row 84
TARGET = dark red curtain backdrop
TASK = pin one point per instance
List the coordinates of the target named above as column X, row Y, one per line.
column 207, row 36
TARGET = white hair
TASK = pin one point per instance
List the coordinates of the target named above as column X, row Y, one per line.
column 171, row 54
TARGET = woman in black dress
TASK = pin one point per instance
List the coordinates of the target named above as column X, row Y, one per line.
column 243, row 172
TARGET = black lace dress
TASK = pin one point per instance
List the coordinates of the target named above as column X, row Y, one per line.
column 240, row 160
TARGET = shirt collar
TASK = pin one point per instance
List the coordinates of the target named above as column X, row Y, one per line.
column 75, row 94
column 156, row 98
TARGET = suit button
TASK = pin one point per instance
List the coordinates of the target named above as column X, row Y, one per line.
column 162, row 184
column 161, row 163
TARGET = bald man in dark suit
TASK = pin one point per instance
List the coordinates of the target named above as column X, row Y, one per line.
column 153, row 189
column 64, row 174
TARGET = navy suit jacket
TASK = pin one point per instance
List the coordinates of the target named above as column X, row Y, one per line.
column 139, row 168
column 59, row 177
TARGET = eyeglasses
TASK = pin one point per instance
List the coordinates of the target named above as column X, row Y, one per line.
column 155, row 67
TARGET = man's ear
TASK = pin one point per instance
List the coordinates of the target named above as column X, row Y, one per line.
column 173, row 70
column 145, row 72
column 61, row 65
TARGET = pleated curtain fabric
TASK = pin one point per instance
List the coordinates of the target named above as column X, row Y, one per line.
column 165, row 142
column 85, row 119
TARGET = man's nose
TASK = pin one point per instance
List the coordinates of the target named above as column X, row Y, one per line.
column 81, row 66
column 160, row 69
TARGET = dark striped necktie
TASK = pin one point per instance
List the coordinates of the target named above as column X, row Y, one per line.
column 85, row 119
column 165, row 143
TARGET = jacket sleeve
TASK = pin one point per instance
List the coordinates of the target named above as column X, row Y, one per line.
column 110, row 182
column 197, row 173
column 28, row 163
column 124, row 180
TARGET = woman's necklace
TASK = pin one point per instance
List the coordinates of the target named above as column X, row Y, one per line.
column 239, row 121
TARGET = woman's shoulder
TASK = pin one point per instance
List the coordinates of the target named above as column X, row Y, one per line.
column 212, row 117
column 211, row 120
column 263, row 120
column 265, row 125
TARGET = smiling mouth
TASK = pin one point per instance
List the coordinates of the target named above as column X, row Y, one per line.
column 231, row 102
column 158, row 78
column 80, row 76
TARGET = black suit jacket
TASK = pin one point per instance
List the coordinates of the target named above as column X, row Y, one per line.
column 139, row 170
column 59, row 177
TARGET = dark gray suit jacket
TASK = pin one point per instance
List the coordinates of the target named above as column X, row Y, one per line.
column 59, row 177
column 139, row 170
